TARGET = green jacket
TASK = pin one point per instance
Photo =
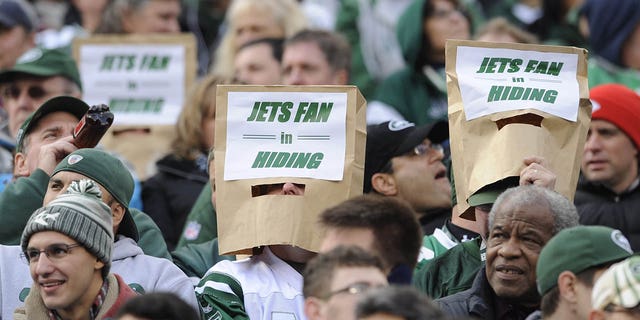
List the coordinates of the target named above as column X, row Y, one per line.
column 601, row 71
column 451, row 272
column 201, row 225
column 420, row 96
column 25, row 195
column 196, row 258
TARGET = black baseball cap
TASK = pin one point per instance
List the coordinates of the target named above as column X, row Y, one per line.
column 395, row 138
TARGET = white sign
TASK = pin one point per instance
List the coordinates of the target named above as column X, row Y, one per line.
column 496, row 80
column 285, row 134
column 142, row 84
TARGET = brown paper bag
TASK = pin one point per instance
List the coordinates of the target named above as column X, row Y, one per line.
column 497, row 126
column 245, row 221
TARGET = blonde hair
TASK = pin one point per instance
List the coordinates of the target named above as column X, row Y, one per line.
column 287, row 14
column 187, row 143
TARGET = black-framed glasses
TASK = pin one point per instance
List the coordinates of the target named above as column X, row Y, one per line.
column 354, row 288
column 54, row 252
column 14, row 92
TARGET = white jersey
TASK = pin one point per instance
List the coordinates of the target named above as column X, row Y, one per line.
column 260, row 287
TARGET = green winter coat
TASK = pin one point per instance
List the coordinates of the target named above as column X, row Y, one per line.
column 22, row 197
column 201, row 225
column 451, row 272
column 419, row 96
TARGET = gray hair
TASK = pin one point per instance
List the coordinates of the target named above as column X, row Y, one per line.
column 565, row 214
column 112, row 15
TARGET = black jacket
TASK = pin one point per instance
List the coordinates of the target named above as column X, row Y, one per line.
column 169, row 195
column 598, row 205
column 480, row 302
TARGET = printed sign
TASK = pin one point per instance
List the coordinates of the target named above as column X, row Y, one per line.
column 285, row 134
column 142, row 79
column 497, row 79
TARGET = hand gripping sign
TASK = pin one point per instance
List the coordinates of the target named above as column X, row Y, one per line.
column 311, row 136
column 508, row 101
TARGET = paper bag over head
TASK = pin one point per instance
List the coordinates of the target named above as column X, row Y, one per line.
column 311, row 136
column 509, row 101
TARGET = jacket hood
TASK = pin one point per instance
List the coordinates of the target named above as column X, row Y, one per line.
column 611, row 22
column 410, row 32
column 125, row 248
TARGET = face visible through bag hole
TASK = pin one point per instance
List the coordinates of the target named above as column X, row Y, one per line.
column 286, row 188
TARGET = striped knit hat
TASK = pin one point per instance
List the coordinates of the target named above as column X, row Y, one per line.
column 79, row 214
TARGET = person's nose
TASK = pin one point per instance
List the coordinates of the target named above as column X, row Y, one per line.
column 289, row 188
column 44, row 266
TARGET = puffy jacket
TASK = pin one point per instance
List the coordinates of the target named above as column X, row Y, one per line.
column 597, row 205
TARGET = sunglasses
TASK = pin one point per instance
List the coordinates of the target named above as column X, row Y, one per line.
column 14, row 92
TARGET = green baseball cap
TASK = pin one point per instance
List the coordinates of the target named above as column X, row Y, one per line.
column 489, row 193
column 111, row 174
column 67, row 104
column 42, row 62
column 577, row 249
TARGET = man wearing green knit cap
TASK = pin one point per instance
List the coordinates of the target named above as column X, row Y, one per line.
column 67, row 245
column 570, row 264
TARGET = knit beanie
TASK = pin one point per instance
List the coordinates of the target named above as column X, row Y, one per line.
column 619, row 105
column 79, row 214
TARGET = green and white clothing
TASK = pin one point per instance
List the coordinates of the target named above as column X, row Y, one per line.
column 441, row 240
column 261, row 287
column 453, row 271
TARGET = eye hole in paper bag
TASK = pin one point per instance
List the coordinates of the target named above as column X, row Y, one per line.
column 527, row 118
column 286, row 189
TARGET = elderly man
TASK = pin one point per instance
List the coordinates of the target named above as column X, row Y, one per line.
column 68, row 247
column 40, row 75
column 521, row 222
column 608, row 192
column 333, row 282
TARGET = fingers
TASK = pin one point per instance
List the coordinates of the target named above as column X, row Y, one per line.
column 537, row 174
column 51, row 154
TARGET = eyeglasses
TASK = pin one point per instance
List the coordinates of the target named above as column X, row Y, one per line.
column 55, row 251
column 354, row 288
column 14, row 92
column 424, row 148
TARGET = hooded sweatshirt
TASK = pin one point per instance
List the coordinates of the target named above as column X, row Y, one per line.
column 141, row 272
column 611, row 23
column 417, row 92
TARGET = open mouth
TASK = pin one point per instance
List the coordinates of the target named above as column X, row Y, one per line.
column 510, row 270
column 441, row 174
